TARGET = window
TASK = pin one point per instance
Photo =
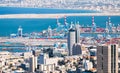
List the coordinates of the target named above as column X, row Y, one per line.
column 102, row 49
column 102, row 65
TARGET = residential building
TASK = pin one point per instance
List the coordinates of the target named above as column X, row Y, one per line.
column 107, row 59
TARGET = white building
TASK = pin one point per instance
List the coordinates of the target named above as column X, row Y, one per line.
column 33, row 64
column 88, row 65
column 46, row 64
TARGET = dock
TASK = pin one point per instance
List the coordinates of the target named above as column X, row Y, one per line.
column 55, row 15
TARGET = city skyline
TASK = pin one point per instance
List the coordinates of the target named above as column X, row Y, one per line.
column 59, row 36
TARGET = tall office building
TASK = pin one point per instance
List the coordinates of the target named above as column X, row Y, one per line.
column 71, row 40
column 107, row 59
column 32, row 67
column 76, row 49
column 77, row 26
column 73, row 37
column 35, row 61
column 33, row 64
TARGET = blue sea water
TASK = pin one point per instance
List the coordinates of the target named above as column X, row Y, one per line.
column 18, row 10
column 8, row 26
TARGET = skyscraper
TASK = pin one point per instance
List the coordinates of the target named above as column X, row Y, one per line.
column 107, row 59
column 32, row 65
column 35, row 61
column 76, row 49
column 77, row 26
column 71, row 39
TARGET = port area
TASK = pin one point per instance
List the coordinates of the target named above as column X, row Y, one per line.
column 33, row 42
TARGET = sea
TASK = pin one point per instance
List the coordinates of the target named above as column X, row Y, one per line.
column 10, row 25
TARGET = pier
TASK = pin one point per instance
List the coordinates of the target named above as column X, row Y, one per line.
column 56, row 15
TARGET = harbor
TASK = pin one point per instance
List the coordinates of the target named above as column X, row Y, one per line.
column 59, row 36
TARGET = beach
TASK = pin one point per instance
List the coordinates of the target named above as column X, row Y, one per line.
column 56, row 15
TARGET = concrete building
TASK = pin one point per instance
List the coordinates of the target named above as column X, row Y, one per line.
column 107, row 59
column 36, row 52
column 44, row 59
column 76, row 50
column 119, row 43
column 88, row 65
column 77, row 26
column 33, row 64
column 71, row 40
column 46, row 64
column 73, row 36
column 32, row 67
column 35, row 61
column 48, row 68
column 27, row 55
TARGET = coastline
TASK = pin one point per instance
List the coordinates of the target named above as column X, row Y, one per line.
column 54, row 16
column 53, row 8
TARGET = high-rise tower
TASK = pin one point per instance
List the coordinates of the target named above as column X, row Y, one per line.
column 32, row 66
column 71, row 39
column 107, row 59
column 77, row 26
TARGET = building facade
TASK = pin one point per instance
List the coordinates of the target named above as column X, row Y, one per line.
column 76, row 50
column 32, row 65
column 71, row 40
column 107, row 59
column 77, row 32
column 73, row 37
